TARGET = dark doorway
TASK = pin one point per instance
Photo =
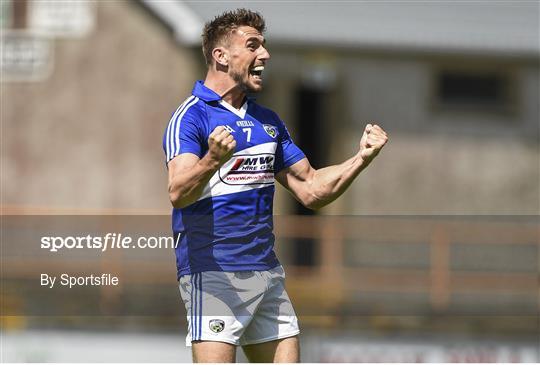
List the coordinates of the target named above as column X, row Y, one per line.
column 310, row 112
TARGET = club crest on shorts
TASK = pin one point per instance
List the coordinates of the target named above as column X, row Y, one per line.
column 216, row 325
column 270, row 130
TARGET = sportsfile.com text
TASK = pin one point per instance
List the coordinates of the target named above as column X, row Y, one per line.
column 108, row 241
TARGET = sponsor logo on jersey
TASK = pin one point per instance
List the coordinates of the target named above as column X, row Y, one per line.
column 249, row 169
column 270, row 130
column 216, row 325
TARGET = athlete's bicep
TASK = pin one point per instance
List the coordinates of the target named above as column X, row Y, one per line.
column 181, row 163
column 297, row 178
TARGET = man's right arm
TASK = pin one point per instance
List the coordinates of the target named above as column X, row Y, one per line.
column 188, row 174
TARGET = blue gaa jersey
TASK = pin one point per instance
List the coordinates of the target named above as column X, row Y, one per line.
column 230, row 227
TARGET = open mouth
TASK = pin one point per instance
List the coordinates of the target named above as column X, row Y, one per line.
column 257, row 71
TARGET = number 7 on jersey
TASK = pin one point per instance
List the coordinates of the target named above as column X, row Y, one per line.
column 248, row 131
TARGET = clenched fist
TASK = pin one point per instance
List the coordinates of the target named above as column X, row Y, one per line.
column 373, row 139
column 221, row 145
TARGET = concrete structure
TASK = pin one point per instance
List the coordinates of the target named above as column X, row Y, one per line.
column 385, row 61
column 88, row 137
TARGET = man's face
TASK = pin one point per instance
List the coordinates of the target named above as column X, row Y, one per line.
column 247, row 57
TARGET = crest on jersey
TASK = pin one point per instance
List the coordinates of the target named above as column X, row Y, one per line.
column 270, row 130
column 216, row 325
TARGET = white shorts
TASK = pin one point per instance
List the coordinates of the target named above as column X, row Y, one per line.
column 240, row 308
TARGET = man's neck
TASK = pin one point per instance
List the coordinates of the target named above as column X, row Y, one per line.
column 226, row 88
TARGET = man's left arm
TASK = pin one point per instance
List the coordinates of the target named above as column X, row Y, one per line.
column 317, row 188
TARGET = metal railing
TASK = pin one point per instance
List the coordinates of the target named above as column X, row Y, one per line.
column 342, row 278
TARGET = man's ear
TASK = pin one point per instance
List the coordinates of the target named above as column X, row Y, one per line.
column 220, row 56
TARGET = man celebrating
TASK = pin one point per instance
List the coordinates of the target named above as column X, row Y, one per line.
column 224, row 152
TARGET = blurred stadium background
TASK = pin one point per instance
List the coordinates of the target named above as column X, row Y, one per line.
column 432, row 255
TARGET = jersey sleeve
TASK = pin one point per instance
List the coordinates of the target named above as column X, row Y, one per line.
column 184, row 133
column 287, row 153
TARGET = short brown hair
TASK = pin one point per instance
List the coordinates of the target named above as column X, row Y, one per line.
column 218, row 29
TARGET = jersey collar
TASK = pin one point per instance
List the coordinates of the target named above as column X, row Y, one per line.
column 204, row 93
